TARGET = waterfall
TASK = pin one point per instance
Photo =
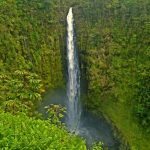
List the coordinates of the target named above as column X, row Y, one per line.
column 73, row 87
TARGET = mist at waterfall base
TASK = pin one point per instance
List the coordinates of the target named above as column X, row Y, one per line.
column 91, row 127
column 82, row 123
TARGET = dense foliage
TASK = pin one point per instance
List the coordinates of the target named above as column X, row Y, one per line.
column 113, row 43
column 19, row 91
column 113, row 40
column 22, row 132
column 30, row 53
column 30, row 61
column 30, row 36
column 143, row 100
column 97, row 146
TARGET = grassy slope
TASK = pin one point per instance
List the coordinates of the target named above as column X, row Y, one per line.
column 125, row 123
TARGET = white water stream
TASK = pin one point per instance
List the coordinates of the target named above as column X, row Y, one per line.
column 73, row 87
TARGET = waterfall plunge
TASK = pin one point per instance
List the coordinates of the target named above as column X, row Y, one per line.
column 73, row 88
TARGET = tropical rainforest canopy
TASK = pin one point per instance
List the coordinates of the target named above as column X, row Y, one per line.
column 112, row 38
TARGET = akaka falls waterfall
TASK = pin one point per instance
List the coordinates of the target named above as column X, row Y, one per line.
column 73, row 87
column 78, row 120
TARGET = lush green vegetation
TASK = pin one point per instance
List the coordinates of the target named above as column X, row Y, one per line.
column 22, row 132
column 31, row 40
column 113, row 43
column 30, row 36
column 113, row 40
